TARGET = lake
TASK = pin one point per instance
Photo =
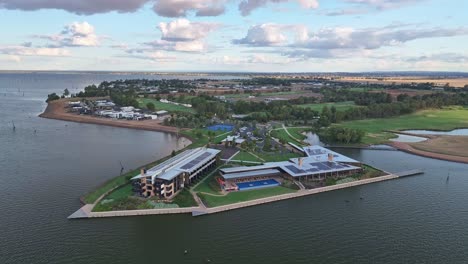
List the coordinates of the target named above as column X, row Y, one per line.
column 420, row 219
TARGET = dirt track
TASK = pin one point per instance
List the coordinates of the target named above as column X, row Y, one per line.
column 57, row 110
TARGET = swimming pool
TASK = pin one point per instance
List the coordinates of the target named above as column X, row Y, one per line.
column 220, row 127
column 257, row 184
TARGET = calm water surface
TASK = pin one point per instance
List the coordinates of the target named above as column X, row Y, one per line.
column 421, row 219
column 455, row 132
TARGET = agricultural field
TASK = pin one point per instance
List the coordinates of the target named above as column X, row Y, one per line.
column 433, row 119
column 340, row 106
column 164, row 106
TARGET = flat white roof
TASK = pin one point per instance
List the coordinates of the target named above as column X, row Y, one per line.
column 317, row 162
column 187, row 161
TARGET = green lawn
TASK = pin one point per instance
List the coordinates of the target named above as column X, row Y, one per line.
column 340, row 106
column 236, row 197
column 163, row 106
column 272, row 157
column 438, row 119
column 246, row 156
column 283, row 136
column 200, row 136
column 184, row 199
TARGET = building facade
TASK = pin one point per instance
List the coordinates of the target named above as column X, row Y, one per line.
column 167, row 178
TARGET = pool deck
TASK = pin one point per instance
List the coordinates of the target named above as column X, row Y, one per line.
column 86, row 210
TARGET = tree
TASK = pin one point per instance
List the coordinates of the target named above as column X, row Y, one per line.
column 173, row 153
column 150, row 106
column 66, row 92
column 52, row 97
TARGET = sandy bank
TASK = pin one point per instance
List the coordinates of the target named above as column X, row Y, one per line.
column 408, row 147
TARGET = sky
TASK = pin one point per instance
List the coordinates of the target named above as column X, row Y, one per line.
column 234, row 35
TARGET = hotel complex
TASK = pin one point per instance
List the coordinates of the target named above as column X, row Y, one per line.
column 318, row 165
column 165, row 179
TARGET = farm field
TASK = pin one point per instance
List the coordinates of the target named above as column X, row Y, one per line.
column 340, row 106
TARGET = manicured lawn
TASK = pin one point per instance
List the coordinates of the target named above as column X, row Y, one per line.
column 283, row 136
column 117, row 181
column 236, row 197
column 184, row 199
column 438, row 119
column 164, row 106
column 340, row 106
column 272, row 157
column 201, row 136
column 246, row 156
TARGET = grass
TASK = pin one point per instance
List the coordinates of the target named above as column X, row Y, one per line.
column 201, row 137
column 295, row 132
column 242, row 196
column 163, row 106
column 109, row 185
column 340, row 106
column 184, row 199
column 245, row 95
column 246, row 156
column 433, row 119
column 273, row 156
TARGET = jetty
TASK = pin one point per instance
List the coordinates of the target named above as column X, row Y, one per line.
column 86, row 210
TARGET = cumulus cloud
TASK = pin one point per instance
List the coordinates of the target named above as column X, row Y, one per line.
column 184, row 30
column 76, row 34
column 296, row 41
column 270, row 34
column 166, row 8
column 81, row 7
column 247, row 6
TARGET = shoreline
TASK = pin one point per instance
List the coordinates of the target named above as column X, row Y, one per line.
column 56, row 110
column 86, row 212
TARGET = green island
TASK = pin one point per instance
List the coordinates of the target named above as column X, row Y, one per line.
column 260, row 138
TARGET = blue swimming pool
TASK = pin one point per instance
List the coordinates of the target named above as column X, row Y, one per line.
column 257, row 184
column 220, row 127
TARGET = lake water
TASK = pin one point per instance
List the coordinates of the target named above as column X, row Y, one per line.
column 407, row 138
column 420, row 219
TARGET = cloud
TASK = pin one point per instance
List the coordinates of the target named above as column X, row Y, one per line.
column 180, row 8
column 195, row 46
column 184, row 30
column 270, row 34
column 76, row 34
column 30, row 51
column 81, row 7
column 165, row 8
column 384, row 4
column 296, row 41
column 156, row 56
column 247, row 6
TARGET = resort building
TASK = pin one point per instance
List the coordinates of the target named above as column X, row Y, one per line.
column 318, row 165
column 167, row 178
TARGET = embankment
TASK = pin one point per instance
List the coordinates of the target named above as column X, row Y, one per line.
column 57, row 110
